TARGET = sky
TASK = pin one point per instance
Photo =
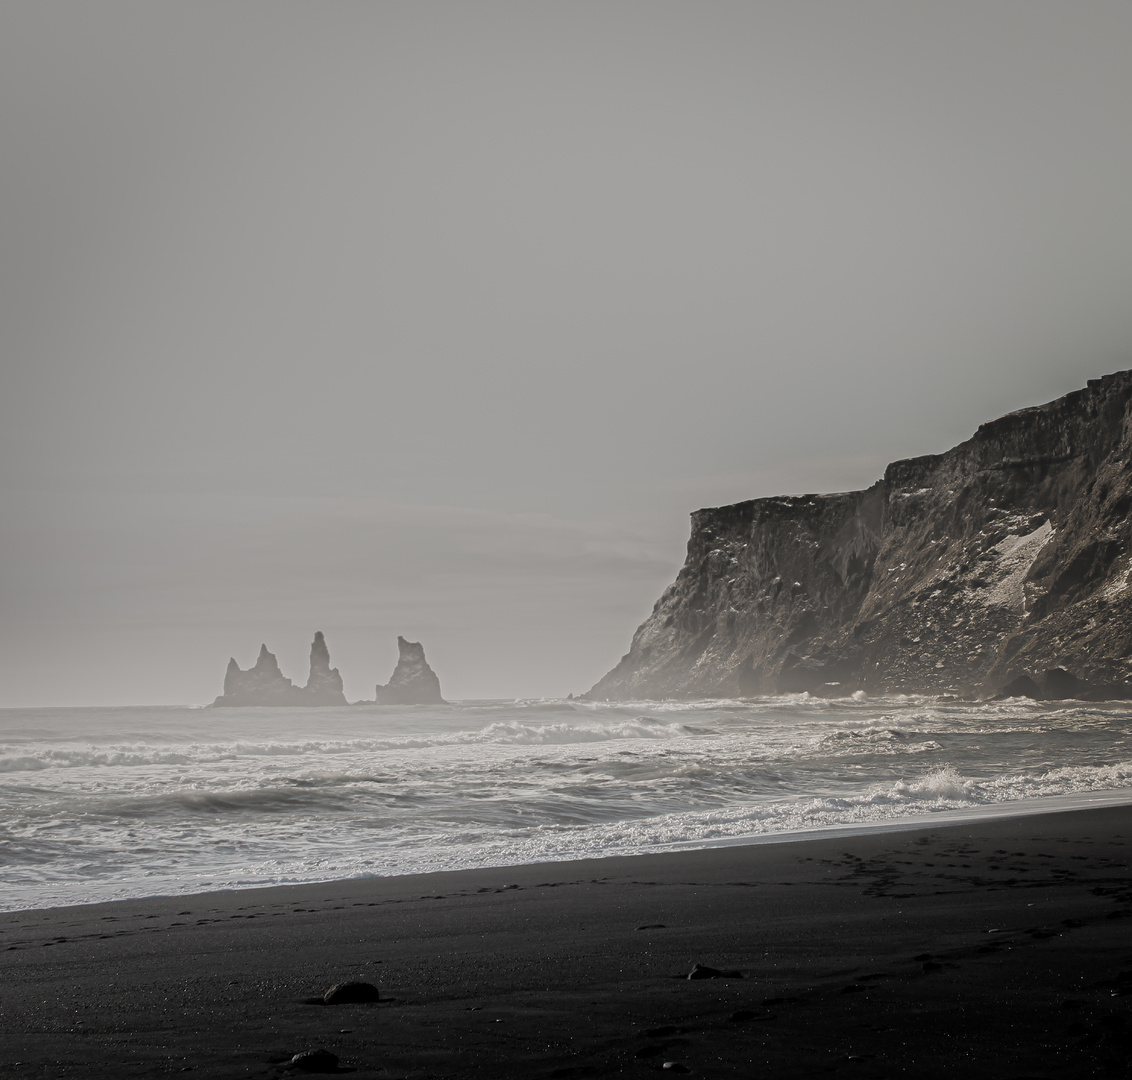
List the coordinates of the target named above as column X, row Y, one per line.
column 439, row 318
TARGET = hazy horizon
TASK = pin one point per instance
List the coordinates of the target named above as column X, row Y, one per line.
column 438, row 319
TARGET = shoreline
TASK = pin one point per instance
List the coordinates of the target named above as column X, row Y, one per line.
column 998, row 946
column 1021, row 808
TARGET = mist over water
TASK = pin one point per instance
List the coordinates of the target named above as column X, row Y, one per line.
column 97, row 804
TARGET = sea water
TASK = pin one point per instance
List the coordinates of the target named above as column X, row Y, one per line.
column 105, row 803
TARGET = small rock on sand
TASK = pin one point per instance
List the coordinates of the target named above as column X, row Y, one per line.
column 315, row 1061
column 702, row 971
column 350, row 993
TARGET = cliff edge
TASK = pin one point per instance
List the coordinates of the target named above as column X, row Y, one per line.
column 1002, row 567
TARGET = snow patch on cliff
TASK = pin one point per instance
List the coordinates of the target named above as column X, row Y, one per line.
column 1013, row 558
column 1120, row 583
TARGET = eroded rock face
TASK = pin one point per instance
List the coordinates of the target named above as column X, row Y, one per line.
column 413, row 682
column 265, row 684
column 261, row 684
column 324, row 684
column 1003, row 566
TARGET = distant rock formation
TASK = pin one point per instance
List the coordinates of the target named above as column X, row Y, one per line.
column 413, row 682
column 262, row 684
column 324, row 684
column 265, row 684
column 1002, row 567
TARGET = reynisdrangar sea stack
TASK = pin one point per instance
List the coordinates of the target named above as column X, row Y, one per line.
column 265, row 684
column 413, row 682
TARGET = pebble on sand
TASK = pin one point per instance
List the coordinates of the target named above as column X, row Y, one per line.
column 702, row 971
column 315, row 1061
column 351, row 993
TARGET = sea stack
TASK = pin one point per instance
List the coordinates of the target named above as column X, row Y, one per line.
column 413, row 682
column 261, row 684
column 265, row 684
column 324, row 684
column 1000, row 568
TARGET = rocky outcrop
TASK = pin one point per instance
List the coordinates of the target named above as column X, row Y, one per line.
column 261, row 684
column 1001, row 567
column 413, row 682
column 265, row 684
column 324, row 684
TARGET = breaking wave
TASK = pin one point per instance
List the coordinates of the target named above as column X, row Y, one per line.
column 97, row 804
column 502, row 732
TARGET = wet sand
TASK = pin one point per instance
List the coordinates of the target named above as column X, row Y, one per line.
column 998, row 948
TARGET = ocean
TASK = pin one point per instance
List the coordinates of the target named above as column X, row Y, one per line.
column 107, row 803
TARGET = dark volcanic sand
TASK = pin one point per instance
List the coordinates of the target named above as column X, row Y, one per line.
column 999, row 948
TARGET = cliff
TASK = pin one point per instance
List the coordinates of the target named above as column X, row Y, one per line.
column 413, row 682
column 265, row 684
column 1000, row 567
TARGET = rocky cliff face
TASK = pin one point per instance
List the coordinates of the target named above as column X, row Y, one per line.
column 1003, row 566
column 413, row 682
column 265, row 684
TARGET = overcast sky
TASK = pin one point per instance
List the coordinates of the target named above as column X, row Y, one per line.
column 438, row 319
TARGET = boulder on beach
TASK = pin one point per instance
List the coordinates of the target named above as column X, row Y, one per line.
column 314, row 1061
column 351, row 993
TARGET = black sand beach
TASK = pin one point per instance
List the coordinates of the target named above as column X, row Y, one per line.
column 998, row 948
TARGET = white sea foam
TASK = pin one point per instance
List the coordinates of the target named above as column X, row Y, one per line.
column 96, row 804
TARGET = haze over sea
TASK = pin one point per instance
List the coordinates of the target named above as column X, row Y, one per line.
column 104, row 803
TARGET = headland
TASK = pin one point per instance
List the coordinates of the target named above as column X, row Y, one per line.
column 999, row 568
